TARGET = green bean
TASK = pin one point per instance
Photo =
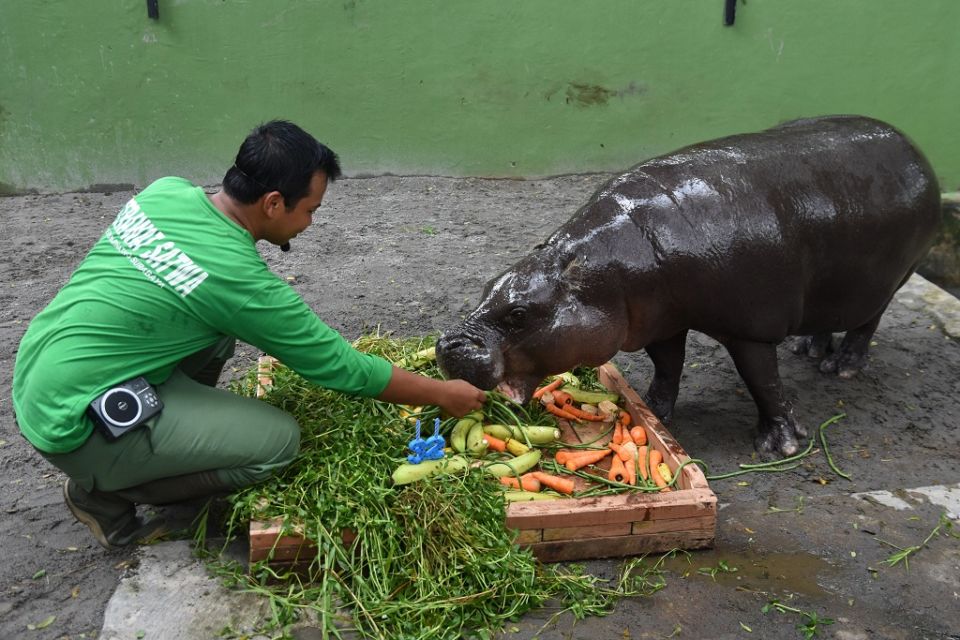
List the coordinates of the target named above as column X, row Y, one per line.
column 826, row 451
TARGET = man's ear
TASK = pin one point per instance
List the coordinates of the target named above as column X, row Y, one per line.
column 273, row 204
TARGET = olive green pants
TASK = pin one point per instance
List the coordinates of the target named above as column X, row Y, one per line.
column 202, row 429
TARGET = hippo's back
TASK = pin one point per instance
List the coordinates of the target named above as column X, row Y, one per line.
column 808, row 226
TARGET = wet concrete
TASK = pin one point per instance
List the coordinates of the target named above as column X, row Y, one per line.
column 411, row 255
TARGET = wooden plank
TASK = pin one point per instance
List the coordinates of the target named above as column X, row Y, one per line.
column 581, row 533
column 620, row 546
column 304, row 551
column 529, row 536
column 610, row 509
column 706, row 524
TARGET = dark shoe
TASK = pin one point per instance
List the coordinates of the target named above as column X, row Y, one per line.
column 112, row 520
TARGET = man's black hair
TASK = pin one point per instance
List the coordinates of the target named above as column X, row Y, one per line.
column 278, row 156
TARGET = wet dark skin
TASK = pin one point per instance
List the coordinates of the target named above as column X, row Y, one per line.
column 269, row 218
column 796, row 232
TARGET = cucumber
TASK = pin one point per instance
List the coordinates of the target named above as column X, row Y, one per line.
column 534, row 433
column 500, row 431
column 476, row 445
column 591, row 397
column 514, row 466
column 458, row 436
column 407, row 473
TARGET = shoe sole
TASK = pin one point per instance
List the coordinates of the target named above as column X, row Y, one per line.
column 85, row 518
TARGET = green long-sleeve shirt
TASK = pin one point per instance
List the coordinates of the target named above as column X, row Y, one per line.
column 171, row 276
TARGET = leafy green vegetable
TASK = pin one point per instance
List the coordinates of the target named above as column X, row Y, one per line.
column 431, row 559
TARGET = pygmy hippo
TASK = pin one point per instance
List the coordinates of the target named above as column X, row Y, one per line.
column 801, row 230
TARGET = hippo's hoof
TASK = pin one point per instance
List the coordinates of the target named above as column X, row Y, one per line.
column 815, row 347
column 777, row 436
column 845, row 364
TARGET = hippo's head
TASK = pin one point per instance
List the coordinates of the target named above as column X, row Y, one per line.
column 547, row 314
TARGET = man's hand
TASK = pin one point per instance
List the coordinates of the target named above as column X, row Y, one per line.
column 460, row 398
column 456, row 397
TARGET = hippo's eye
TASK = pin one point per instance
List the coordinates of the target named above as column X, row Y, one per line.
column 517, row 317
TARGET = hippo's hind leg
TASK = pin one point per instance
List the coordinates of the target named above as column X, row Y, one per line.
column 851, row 356
column 667, row 357
column 777, row 427
column 815, row 346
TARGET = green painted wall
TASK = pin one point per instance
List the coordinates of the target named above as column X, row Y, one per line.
column 95, row 92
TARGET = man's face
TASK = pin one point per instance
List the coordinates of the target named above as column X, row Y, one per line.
column 291, row 222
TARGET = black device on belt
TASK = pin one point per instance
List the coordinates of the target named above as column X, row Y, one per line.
column 124, row 407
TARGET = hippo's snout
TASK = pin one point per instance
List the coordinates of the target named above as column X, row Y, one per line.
column 463, row 356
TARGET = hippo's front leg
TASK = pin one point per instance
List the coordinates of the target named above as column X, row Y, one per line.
column 757, row 364
column 667, row 357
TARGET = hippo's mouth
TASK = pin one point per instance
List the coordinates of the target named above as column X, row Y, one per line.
column 511, row 392
column 519, row 389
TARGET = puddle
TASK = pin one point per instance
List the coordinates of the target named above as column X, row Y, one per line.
column 770, row 573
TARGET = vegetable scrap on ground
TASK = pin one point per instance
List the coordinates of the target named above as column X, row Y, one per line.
column 421, row 550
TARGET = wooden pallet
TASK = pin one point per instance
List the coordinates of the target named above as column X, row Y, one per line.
column 570, row 529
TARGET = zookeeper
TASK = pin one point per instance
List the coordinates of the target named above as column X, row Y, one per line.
column 163, row 296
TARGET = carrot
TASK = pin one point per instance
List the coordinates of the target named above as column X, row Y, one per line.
column 587, row 457
column 618, row 472
column 642, row 459
column 639, row 435
column 552, row 386
column 631, row 468
column 558, row 484
column 525, row 482
column 495, row 443
column 617, row 434
column 626, row 451
column 583, row 415
column 564, row 454
column 560, row 413
column 562, row 399
column 625, row 419
column 656, row 458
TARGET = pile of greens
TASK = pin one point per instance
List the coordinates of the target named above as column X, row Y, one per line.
column 432, row 559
